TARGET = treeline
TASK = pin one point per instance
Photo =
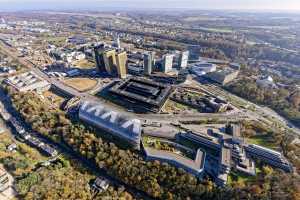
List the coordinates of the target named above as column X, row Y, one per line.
column 277, row 99
column 158, row 180
column 64, row 179
column 231, row 49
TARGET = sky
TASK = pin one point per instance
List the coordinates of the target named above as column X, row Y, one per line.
column 289, row 5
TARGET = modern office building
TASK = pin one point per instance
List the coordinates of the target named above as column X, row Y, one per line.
column 121, row 60
column 167, row 63
column 195, row 51
column 232, row 151
column 223, row 77
column 148, row 61
column 195, row 166
column 27, row 81
column 202, row 68
column 109, row 57
column 99, row 50
column 268, row 156
column 183, row 59
column 224, row 166
column 117, row 42
column 111, row 122
column 143, row 93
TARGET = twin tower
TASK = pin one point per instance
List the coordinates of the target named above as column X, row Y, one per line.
column 111, row 61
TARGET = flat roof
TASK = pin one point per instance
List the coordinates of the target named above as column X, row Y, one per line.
column 225, row 156
column 137, row 89
column 144, row 88
column 196, row 165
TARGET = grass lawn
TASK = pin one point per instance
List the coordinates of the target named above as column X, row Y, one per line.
column 263, row 140
column 237, row 177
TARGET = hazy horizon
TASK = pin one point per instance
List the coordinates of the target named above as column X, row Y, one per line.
column 261, row 5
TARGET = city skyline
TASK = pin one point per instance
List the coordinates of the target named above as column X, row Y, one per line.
column 289, row 5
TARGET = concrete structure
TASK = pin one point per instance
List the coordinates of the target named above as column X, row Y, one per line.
column 111, row 61
column 202, row 68
column 27, row 81
column 224, row 166
column 111, row 121
column 148, row 61
column 100, row 59
column 223, row 77
column 231, row 151
column 135, row 70
column 266, row 82
column 205, row 104
column 167, row 63
column 194, row 51
column 121, row 61
column 183, row 59
column 195, row 167
column 109, row 58
column 117, row 43
column 269, row 156
column 145, row 93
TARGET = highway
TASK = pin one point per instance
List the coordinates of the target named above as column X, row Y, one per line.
column 63, row 148
column 258, row 115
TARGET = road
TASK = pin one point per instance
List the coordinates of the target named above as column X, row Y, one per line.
column 64, row 148
column 258, row 115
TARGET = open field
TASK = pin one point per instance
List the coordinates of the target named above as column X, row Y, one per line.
column 174, row 107
column 84, row 64
column 81, row 84
column 263, row 140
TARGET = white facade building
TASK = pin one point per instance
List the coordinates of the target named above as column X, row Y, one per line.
column 167, row 64
column 27, row 81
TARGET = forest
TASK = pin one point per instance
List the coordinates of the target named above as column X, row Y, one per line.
column 158, row 180
column 281, row 100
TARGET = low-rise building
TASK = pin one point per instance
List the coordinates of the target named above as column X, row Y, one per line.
column 100, row 185
column 268, row 156
column 195, row 167
column 112, row 122
column 200, row 69
column 266, row 82
column 27, row 81
column 223, row 77
column 233, row 152
column 4, row 180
